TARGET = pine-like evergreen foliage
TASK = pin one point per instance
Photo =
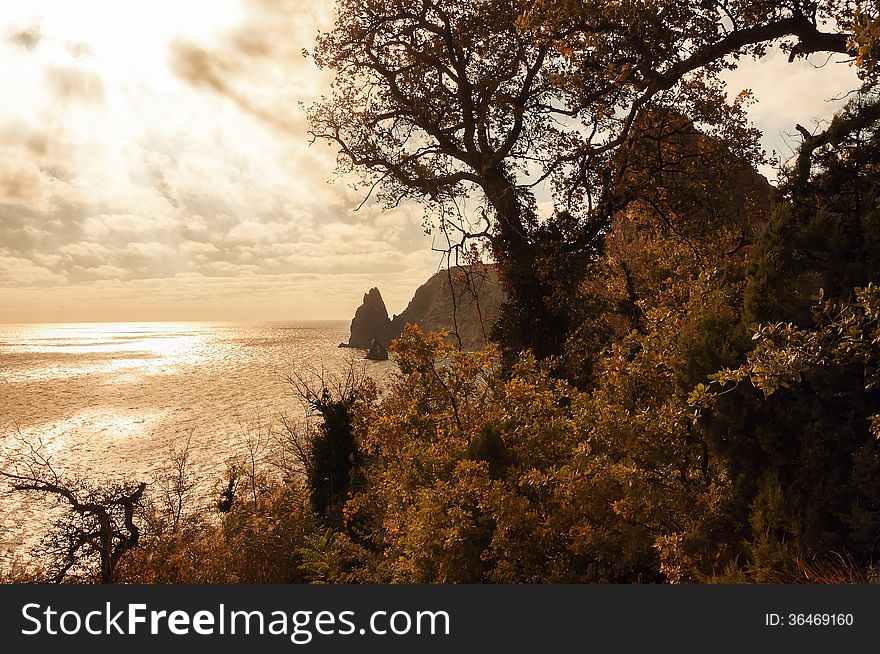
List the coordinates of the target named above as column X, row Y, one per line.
column 334, row 454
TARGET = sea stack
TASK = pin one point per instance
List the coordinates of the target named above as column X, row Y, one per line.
column 371, row 323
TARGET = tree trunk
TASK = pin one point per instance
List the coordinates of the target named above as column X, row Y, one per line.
column 528, row 321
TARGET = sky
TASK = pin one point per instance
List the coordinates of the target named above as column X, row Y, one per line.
column 154, row 165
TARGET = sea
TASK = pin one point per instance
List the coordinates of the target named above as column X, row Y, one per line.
column 111, row 401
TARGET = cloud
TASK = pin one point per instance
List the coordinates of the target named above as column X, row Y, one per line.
column 251, row 231
column 16, row 271
column 75, row 84
column 79, row 51
column 192, row 296
column 790, row 93
column 185, row 190
column 27, row 39
column 85, row 254
column 198, row 251
column 121, row 228
column 215, row 71
column 150, row 251
column 264, row 52
column 106, row 271
column 20, row 183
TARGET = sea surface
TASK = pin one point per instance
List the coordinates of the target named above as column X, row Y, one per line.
column 109, row 401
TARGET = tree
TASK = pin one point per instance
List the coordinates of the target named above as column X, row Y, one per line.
column 334, row 455
column 330, row 454
column 436, row 101
column 175, row 482
column 826, row 231
column 100, row 524
column 472, row 477
column 803, row 453
column 797, row 440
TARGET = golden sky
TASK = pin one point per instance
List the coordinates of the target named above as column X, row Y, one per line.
column 154, row 165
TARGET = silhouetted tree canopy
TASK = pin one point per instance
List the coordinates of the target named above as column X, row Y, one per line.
column 437, row 101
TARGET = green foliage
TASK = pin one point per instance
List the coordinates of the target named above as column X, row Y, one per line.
column 334, row 455
column 865, row 37
column 438, row 100
column 327, row 555
column 826, row 234
column 805, row 450
column 792, row 422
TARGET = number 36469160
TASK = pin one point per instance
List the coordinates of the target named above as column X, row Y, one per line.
column 808, row 619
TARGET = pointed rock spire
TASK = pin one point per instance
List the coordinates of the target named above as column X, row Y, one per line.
column 371, row 322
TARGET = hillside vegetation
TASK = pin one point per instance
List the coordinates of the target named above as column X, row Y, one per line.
column 682, row 383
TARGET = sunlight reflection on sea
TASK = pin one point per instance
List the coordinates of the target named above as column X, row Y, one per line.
column 107, row 400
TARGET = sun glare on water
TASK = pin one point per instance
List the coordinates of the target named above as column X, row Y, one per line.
column 124, row 350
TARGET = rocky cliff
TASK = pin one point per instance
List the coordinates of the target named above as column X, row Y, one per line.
column 464, row 301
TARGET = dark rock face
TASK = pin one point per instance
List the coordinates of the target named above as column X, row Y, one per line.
column 371, row 322
column 377, row 352
column 464, row 301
